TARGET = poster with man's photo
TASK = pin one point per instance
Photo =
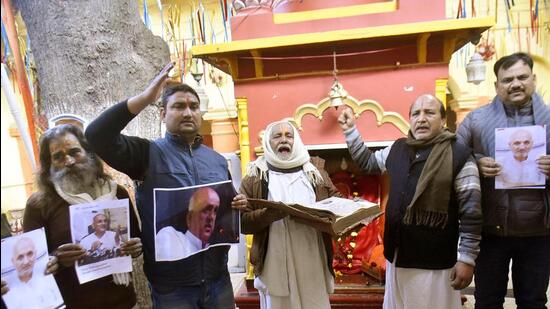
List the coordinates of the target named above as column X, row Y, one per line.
column 100, row 227
column 516, row 151
column 24, row 260
column 189, row 220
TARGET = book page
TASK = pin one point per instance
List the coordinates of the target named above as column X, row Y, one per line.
column 340, row 206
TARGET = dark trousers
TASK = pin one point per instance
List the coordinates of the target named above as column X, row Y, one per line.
column 530, row 258
column 215, row 294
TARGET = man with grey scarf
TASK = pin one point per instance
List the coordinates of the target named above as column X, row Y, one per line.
column 434, row 198
column 516, row 223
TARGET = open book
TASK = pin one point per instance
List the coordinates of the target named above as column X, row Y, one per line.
column 333, row 215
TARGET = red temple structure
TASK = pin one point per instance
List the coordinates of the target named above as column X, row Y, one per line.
column 284, row 59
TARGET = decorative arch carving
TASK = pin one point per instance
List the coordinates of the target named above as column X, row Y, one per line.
column 358, row 108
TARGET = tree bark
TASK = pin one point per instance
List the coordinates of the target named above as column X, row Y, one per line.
column 91, row 54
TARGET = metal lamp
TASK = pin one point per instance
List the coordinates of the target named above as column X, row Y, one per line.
column 197, row 76
column 475, row 69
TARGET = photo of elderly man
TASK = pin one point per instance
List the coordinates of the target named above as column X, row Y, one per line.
column 208, row 220
column 201, row 217
column 518, row 160
column 26, row 273
column 102, row 243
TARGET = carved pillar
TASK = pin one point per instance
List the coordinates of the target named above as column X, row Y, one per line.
column 441, row 90
column 224, row 135
column 244, row 142
column 244, row 136
column 462, row 106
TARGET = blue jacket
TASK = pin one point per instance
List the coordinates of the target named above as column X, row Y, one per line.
column 163, row 163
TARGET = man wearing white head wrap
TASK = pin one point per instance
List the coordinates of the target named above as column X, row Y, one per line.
column 283, row 157
column 292, row 261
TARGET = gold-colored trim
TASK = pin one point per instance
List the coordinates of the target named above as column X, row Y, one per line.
column 441, row 90
column 244, row 133
column 449, row 44
column 244, row 142
column 358, row 108
column 258, row 64
column 422, row 47
column 331, row 72
column 343, row 35
column 233, row 66
column 335, row 12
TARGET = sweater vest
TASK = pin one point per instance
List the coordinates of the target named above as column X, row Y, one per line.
column 418, row 246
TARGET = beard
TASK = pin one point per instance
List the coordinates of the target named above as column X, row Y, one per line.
column 283, row 155
column 79, row 178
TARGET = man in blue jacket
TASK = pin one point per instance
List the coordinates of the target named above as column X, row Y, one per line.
column 516, row 223
column 177, row 160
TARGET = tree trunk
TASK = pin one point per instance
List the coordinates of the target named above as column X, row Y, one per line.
column 91, row 54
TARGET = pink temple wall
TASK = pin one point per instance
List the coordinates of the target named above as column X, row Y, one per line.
column 395, row 90
column 257, row 22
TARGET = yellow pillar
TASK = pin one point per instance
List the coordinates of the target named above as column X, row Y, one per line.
column 441, row 90
column 244, row 142
column 244, row 137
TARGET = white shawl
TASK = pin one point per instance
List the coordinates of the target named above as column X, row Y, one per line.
column 298, row 157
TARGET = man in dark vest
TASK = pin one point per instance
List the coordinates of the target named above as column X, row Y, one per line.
column 434, row 198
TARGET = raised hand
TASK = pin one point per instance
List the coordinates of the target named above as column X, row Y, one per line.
column 150, row 95
column 152, row 92
column 95, row 245
column 346, row 120
column 67, row 254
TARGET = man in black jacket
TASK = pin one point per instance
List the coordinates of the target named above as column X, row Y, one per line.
column 516, row 223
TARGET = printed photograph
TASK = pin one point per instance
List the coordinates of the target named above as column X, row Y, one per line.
column 516, row 151
column 100, row 228
column 192, row 219
column 24, row 259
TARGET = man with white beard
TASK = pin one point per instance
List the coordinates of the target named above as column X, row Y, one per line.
column 292, row 261
column 70, row 173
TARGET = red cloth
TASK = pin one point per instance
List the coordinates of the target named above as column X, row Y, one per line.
column 366, row 240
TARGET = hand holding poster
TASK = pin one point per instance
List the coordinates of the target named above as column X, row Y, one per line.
column 24, row 260
column 100, row 227
column 516, row 152
column 192, row 219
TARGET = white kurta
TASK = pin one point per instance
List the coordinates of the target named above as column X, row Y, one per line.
column 171, row 245
column 413, row 288
column 295, row 274
column 107, row 241
column 39, row 292
column 519, row 173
